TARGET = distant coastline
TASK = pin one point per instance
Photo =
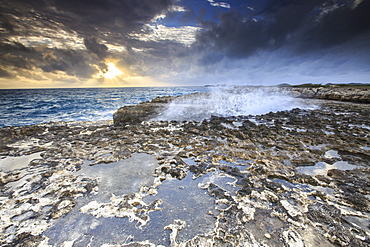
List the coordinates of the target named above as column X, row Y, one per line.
column 303, row 85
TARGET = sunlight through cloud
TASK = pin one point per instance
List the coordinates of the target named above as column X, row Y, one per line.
column 110, row 72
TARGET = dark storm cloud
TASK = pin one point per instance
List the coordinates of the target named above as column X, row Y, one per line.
column 6, row 22
column 5, row 74
column 15, row 47
column 95, row 21
column 339, row 26
column 255, row 38
column 87, row 17
column 303, row 26
column 92, row 45
column 91, row 16
column 18, row 57
column 71, row 62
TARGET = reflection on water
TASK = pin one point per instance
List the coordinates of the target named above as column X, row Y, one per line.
column 322, row 168
column 118, row 178
column 122, row 177
column 331, row 154
column 181, row 200
column 12, row 163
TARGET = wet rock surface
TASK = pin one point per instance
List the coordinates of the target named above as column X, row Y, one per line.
column 290, row 178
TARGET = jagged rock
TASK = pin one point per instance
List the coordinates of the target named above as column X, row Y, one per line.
column 132, row 114
column 145, row 111
column 360, row 95
column 250, row 185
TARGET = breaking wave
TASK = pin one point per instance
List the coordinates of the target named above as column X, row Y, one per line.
column 240, row 101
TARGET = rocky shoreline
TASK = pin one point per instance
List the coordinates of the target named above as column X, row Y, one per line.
column 147, row 111
column 289, row 178
column 359, row 95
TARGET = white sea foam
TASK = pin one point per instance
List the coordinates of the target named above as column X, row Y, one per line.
column 231, row 102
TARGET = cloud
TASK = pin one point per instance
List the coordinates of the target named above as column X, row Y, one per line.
column 7, row 22
column 84, row 16
column 112, row 15
column 275, row 67
column 15, row 55
column 338, row 26
column 68, row 38
column 283, row 41
column 303, row 26
column 92, row 45
column 185, row 35
column 16, row 59
column 72, row 63
column 219, row 4
column 5, row 74
column 171, row 41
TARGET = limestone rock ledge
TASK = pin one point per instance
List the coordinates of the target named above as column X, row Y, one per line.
column 133, row 114
column 358, row 95
column 288, row 178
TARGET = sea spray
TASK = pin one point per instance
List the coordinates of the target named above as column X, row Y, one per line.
column 229, row 101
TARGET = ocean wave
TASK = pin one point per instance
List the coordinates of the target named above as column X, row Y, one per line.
column 226, row 102
column 34, row 106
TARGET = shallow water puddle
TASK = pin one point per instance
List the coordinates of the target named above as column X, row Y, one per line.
column 181, row 200
column 293, row 186
column 122, row 177
column 12, row 163
column 331, row 154
column 326, row 190
column 116, row 178
column 322, row 168
column 360, row 222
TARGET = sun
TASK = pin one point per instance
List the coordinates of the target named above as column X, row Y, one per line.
column 112, row 71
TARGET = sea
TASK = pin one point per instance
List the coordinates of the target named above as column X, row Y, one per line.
column 19, row 107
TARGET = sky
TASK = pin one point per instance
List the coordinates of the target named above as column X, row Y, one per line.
column 135, row 43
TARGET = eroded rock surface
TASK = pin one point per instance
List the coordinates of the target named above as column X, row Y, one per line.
column 145, row 111
column 291, row 178
column 360, row 95
column 194, row 107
